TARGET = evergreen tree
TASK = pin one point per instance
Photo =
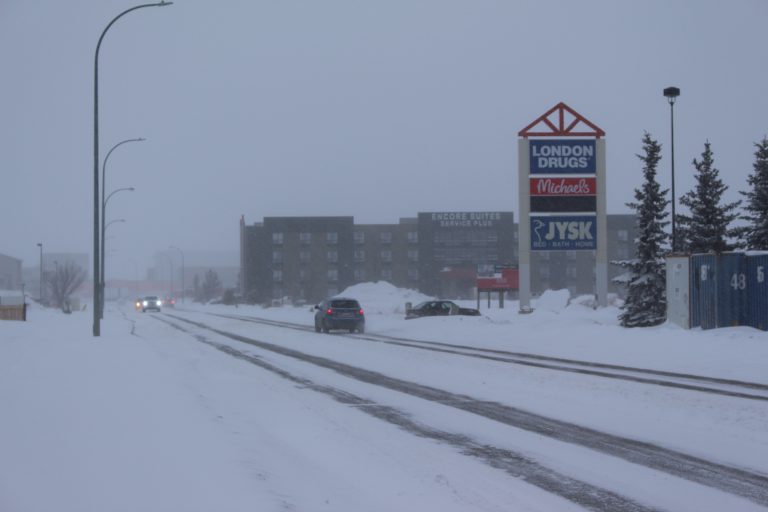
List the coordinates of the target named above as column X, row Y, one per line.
column 707, row 228
column 756, row 232
column 646, row 303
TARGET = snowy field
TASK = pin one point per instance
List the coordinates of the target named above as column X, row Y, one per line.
column 147, row 417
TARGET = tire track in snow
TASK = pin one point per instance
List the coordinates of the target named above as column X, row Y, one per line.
column 516, row 465
column 749, row 485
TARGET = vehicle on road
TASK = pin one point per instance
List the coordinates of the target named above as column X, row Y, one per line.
column 169, row 302
column 339, row 313
column 439, row 308
column 151, row 302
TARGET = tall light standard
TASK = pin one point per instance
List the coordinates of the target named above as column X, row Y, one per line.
column 170, row 261
column 671, row 94
column 40, row 299
column 183, row 288
column 104, row 213
column 101, row 308
column 102, row 282
column 96, row 267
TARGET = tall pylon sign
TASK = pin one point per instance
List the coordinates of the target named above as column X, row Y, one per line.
column 561, row 174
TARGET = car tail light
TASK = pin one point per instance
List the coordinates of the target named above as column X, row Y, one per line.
column 329, row 311
column 361, row 312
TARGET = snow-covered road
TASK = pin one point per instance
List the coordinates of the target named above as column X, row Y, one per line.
column 167, row 419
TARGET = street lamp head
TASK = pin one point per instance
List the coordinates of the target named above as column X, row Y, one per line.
column 164, row 3
column 671, row 94
column 40, row 244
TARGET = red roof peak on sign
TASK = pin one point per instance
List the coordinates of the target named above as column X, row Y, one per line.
column 562, row 121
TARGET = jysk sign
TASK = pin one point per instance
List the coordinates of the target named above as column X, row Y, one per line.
column 563, row 156
column 563, row 232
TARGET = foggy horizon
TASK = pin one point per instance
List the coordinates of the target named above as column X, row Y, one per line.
column 375, row 111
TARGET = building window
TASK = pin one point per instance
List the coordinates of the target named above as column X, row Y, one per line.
column 622, row 252
column 544, row 255
column 360, row 274
column 386, row 255
column 303, row 274
column 305, row 238
column 359, row 255
column 333, row 274
column 413, row 255
column 332, row 256
column 570, row 255
column 277, row 238
column 571, row 272
column 332, row 238
column 277, row 256
column 623, row 235
column 305, row 256
column 386, row 274
column 332, row 292
column 413, row 274
column 277, row 276
column 413, row 237
column 359, row 237
column 385, row 237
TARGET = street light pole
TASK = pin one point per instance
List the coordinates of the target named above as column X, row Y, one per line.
column 170, row 260
column 671, row 94
column 102, row 282
column 103, row 216
column 183, row 288
column 40, row 245
column 96, row 267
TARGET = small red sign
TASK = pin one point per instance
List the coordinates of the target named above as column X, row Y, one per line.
column 505, row 279
column 563, row 186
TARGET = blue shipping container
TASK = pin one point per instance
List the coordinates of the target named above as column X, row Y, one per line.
column 756, row 291
column 731, row 289
column 704, row 291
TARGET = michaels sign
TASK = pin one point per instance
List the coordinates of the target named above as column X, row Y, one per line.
column 563, row 233
column 563, row 156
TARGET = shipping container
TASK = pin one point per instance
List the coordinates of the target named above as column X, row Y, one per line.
column 704, row 291
column 678, row 291
column 756, row 307
column 731, row 289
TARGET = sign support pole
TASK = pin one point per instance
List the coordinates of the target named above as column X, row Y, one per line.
column 601, row 252
column 524, row 225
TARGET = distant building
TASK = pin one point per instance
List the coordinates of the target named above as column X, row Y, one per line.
column 438, row 253
column 174, row 274
column 10, row 273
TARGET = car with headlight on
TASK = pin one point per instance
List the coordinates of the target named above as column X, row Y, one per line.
column 439, row 308
column 151, row 303
column 339, row 313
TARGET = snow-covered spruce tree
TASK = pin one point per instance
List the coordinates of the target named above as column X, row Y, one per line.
column 707, row 228
column 646, row 303
column 756, row 207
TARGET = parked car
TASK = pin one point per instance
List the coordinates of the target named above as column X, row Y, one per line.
column 151, row 302
column 169, row 302
column 439, row 308
column 339, row 313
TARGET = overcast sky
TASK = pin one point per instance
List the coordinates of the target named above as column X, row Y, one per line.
column 376, row 109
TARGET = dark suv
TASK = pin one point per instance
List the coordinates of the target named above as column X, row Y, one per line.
column 339, row 313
